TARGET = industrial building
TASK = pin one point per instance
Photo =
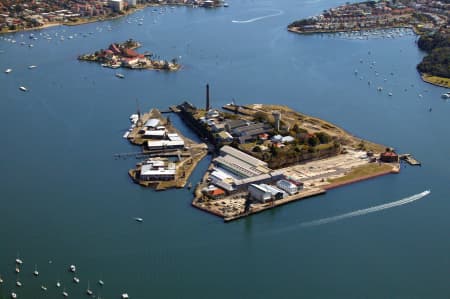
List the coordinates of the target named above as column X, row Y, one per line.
column 287, row 186
column 152, row 123
column 164, row 144
column 276, row 193
column 155, row 170
column 259, row 193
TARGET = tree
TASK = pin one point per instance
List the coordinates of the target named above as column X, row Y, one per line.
column 313, row 140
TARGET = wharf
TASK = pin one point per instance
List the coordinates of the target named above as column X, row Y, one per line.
column 255, row 208
column 410, row 160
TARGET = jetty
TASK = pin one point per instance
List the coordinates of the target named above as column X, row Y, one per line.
column 410, row 160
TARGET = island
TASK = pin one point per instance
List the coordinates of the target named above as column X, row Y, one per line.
column 428, row 19
column 123, row 55
column 264, row 156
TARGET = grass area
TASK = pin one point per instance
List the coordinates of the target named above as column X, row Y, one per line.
column 435, row 80
column 363, row 171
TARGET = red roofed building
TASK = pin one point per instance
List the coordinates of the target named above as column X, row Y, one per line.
column 115, row 49
column 129, row 53
column 389, row 157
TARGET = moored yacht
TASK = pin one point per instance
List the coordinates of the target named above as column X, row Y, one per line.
column 8, row 71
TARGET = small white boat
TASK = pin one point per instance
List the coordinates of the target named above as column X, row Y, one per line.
column 226, row 4
column 65, row 294
column 58, row 284
column 121, row 76
column 35, row 272
column 1, row 280
column 32, row 67
column 8, row 71
column 76, row 280
column 125, row 296
column 18, row 283
column 43, row 287
column 17, row 269
column 72, row 268
column 22, row 88
column 380, row 88
column 13, row 295
column 100, row 282
column 19, row 261
column 446, row 95
column 126, row 134
column 390, row 94
column 138, row 219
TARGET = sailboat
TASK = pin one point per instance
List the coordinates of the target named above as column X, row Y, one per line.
column 35, row 272
column 88, row 290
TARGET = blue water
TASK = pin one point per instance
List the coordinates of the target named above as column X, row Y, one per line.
column 65, row 198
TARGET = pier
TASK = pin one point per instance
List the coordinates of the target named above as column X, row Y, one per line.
column 410, row 160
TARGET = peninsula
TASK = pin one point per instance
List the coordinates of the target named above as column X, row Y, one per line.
column 429, row 19
column 30, row 15
column 169, row 156
column 124, row 55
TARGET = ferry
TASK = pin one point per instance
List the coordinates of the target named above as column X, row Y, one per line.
column 8, row 71
column 22, row 88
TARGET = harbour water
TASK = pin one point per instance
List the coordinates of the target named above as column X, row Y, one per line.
column 65, row 199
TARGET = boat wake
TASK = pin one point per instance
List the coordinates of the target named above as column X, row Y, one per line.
column 279, row 13
column 374, row 209
column 362, row 212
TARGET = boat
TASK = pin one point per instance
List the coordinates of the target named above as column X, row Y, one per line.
column 65, row 294
column 100, row 282
column 380, row 88
column 17, row 269
column 18, row 283
column 138, row 219
column 121, row 76
column 13, row 295
column 32, row 67
column 189, row 186
column 446, row 95
column 125, row 296
column 43, row 287
column 58, row 284
column 76, row 280
column 35, row 272
column 8, row 71
column 88, row 290
column 18, row 260
column 72, row 268
column 1, row 280
column 390, row 94
column 22, row 88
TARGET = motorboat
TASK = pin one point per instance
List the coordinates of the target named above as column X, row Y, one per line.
column 35, row 272
column 18, row 260
column 13, row 295
column 17, row 269
column 390, row 94
column 72, row 268
column 125, row 296
column 18, row 283
column 8, row 71
column 100, row 282
column 76, row 280
column 43, row 287
column 446, row 95
column 32, row 67
column 121, row 76
column 22, row 88
column 65, row 294
column 138, row 219
column 58, row 284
